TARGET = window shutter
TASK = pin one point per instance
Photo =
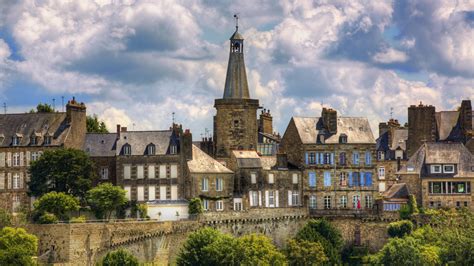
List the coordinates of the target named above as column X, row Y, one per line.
column 9, row 180
column 362, row 179
column 307, row 158
column 368, row 180
column 332, row 158
column 259, row 198
column 21, row 180
column 350, row 179
column 21, row 158
column 2, row 180
column 316, row 157
column 321, row 158
column 266, row 198
column 9, row 159
column 2, row 159
column 250, row 199
column 289, row 197
column 277, row 203
column 28, row 157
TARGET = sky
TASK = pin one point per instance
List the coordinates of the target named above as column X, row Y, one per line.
column 135, row 62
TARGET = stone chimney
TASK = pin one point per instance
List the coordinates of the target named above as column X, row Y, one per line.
column 421, row 126
column 187, row 144
column 265, row 122
column 383, row 128
column 76, row 118
column 118, row 131
column 329, row 117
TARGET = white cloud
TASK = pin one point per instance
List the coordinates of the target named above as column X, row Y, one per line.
column 390, row 56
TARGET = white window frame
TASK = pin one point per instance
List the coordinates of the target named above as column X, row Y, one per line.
column 151, row 192
column 104, row 173
column 448, row 172
column 151, row 171
column 219, row 205
column 327, row 203
column 174, row 192
column 271, row 198
column 141, row 193
column 128, row 192
column 294, row 178
column 369, row 203
column 163, row 193
column 343, row 201
column 205, row 184
column 295, row 198
column 162, row 170
column 16, row 159
column 355, row 199
column 127, row 150
column 433, row 169
column 151, row 149
column 381, row 172
column 174, row 171
column 254, row 199
column 35, row 155
column 382, row 187
column 173, row 149
column 271, row 178
column 219, row 184
column 253, row 178
column 16, row 181
column 127, row 171
column 205, row 204
column 237, row 204
column 140, row 171
column 313, row 202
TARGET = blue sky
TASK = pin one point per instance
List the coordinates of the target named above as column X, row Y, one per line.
column 134, row 62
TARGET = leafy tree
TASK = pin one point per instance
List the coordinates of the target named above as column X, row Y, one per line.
column 412, row 204
column 17, row 247
column 400, row 228
column 195, row 206
column 119, row 257
column 259, row 250
column 57, row 203
column 6, row 218
column 325, row 233
column 94, row 125
column 194, row 250
column 105, row 198
column 408, row 251
column 142, row 211
column 300, row 253
column 42, row 108
column 62, row 170
column 225, row 250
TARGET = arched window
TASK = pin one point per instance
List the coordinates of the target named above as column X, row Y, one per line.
column 127, row 149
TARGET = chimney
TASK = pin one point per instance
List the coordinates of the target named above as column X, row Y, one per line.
column 187, row 144
column 265, row 122
column 76, row 118
column 383, row 128
column 330, row 120
column 123, row 129
column 118, row 131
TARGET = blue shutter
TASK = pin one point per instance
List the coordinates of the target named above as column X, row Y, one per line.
column 332, row 158
column 362, row 175
column 368, row 179
column 327, row 179
column 316, row 157
column 307, row 158
column 368, row 158
column 350, row 179
column 312, row 179
column 321, row 158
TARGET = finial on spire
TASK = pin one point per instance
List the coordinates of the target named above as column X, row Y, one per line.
column 236, row 16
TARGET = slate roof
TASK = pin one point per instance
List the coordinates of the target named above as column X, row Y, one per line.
column 100, row 144
column 399, row 139
column 139, row 140
column 40, row 124
column 441, row 153
column 357, row 130
column 203, row 163
column 397, row 191
column 446, row 121
column 247, row 159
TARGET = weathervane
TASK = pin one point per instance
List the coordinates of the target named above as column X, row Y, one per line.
column 236, row 16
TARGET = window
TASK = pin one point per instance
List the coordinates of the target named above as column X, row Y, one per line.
column 271, row 198
column 174, row 171
column 253, row 178
column 368, row 158
column 47, row 140
column 173, row 149
column 449, row 187
column 35, row 155
column 128, row 192
column 355, row 158
column 295, row 178
column 342, row 179
column 380, row 155
column 104, row 172
column 237, row 204
column 368, row 202
column 219, row 205
column 150, row 149
column 139, row 171
column 448, row 169
column 343, row 138
column 16, row 159
column 381, row 186
column 151, row 193
column 204, row 184
column 312, row 179
column 312, row 202
column 436, row 169
column 343, row 201
column 327, row 179
column 33, row 140
column 355, row 179
column 162, row 171
column 140, row 193
column 174, row 192
column 205, row 204
column 163, row 195
column 342, row 158
column 311, row 158
column 151, row 171
column 327, row 158
column 327, row 202
column 16, row 141
column 126, row 171
column 127, row 149
column 381, row 173
column 2, row 180
column 219, row 184
column 253, row 198
column 356, row 202
column 271, row 179
column 16, row 181
column 295, row 198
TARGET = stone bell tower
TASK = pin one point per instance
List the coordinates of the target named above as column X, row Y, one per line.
column 235, row 124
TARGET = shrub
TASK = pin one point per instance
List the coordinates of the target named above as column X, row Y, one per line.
column 79, row 219
column 195, row 206
column 48, row 218
column 119, row 257
column 400, row 228
column 142, row 210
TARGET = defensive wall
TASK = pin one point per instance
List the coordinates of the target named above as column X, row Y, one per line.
column 160, row 242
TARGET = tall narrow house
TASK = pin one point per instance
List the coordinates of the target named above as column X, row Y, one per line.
column 235, row 124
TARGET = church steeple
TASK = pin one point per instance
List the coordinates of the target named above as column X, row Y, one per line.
column 236, row 86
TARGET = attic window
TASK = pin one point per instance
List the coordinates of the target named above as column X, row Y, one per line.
column 47, row 140
column 2, row 138
column 150, row 149
column 343, row 138
column 321, row 138
column 16, row 140
column 127, row 149
column 33, row 140
column 173, row 149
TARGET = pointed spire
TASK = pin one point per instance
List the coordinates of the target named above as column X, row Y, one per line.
column 236, row 86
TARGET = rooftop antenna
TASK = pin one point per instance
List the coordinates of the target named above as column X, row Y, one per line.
column 54, row 104
column 62, row 103
column 5, row 108
column 236, row 16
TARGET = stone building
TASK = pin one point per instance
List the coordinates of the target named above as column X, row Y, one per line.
column 268, row 140
column 440, row 175
column 336, row 158
column 24, row 137
column 391, row 152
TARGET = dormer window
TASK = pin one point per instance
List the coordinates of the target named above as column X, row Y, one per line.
column 321, row 138
column 2, row 138
column 150, row 149
column 173, row 149
column 448, row 169
column 16, row 140
column 33, row 140
column 436, row 169
column 47, row 140
column 127, row 149
column 343, row 138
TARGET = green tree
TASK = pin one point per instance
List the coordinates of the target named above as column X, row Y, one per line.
column 325, row 233
column 195, row 206
column 105, row 198
column 94, row 125
column 408, row 251
column 119, row 257
column 62, row 170
column 400, row 228
column 6, row 218
column 225, row 250
column 17, row 247
column 301, row 253
column 58, row 203
column 42, row 108
column 259, row 250
column 194, row 250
